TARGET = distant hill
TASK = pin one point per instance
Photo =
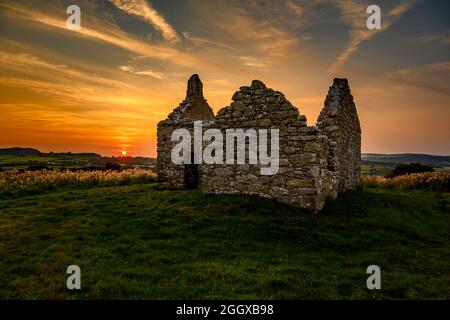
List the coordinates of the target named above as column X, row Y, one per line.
column 19, row 151
column 25, row 158
column 425, row 159
column 34, row 152
column 70, row 154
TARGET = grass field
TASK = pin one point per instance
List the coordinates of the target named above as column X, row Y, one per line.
column 376, row 169
column 12, row 161
column 9, row 162
column 137, row 242
column 68, row 160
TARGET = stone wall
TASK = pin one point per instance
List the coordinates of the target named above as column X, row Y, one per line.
column 194, row 107
column 339, row 121
column 298, row 181
column 315, row 162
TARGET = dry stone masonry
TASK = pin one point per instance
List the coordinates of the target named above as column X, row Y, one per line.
column 315, row 162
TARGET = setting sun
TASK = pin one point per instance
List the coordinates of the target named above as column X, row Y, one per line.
column 124, row 153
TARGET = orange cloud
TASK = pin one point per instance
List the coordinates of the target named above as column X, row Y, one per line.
column 143, row 9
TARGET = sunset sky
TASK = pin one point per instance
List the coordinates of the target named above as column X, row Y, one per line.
column 105, row 87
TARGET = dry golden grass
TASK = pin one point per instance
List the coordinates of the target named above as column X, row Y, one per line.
column 14, row 181
column 35, row 181
column 438, row 181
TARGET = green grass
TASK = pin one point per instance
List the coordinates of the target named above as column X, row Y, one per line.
column 136, row 242
column 25, row 159
column 18, row 162
column 376, row 169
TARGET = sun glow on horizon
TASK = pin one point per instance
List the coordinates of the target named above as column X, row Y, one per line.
column 62, row 98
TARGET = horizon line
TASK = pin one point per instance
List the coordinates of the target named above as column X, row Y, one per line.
column 147, row 156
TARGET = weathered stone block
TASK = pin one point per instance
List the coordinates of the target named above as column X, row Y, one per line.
column 298, row 183
column 312, row 146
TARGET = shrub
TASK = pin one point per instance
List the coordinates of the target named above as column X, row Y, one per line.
column 406, row 168
column 438, row 181
column 112, row 166
column 35, row 167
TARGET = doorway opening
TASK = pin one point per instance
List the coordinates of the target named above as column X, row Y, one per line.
column 191, row 177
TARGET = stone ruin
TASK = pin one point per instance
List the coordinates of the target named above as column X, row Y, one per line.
column 315, row 162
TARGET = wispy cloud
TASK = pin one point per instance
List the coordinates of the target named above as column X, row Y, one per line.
column 145, row 11
column 262, row 28
column 104, row 32
column 150, row 73
column 203, row 41
column 65, row 87
column 432, row 77
column 354, row 14
column 295, row 8
column 443, row 38
column 253, row 62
